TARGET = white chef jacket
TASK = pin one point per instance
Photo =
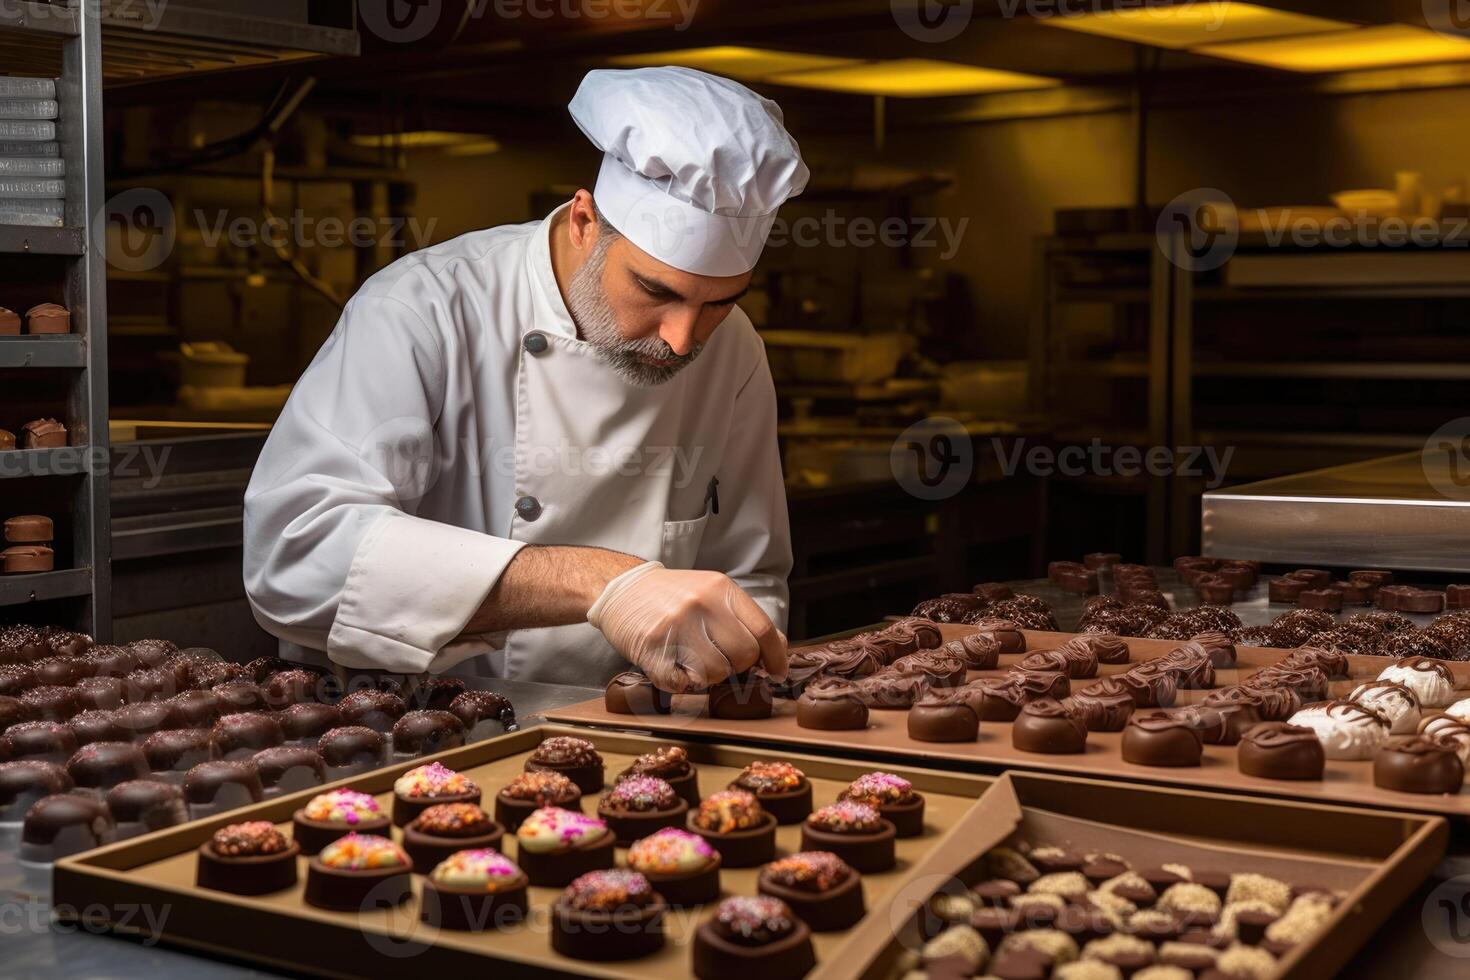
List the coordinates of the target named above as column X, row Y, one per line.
column 452, row 417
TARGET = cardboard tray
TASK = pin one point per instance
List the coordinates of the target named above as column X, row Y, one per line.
column 887, row 736
column 280, row 930
column 1377, row 858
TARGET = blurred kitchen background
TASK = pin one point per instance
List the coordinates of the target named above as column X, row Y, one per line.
column 1027, row 157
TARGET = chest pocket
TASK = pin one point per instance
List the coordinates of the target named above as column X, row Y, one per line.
column 680, row 546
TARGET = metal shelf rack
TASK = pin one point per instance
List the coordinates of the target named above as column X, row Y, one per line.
column 72, row 34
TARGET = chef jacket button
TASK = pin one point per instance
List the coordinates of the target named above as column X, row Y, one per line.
column 535, row 343
column 529, row 508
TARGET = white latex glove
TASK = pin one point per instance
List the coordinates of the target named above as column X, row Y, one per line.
column 686, row 629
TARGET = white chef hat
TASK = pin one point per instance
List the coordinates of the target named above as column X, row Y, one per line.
column 694, row 166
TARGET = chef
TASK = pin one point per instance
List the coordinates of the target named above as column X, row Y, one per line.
column 545, row 451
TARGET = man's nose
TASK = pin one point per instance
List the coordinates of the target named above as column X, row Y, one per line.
column 677, row 330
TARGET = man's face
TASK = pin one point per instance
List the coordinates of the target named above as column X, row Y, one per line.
column 647, row 319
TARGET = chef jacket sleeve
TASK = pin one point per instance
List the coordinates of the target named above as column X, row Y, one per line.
column 750, row 539
column 335, row 556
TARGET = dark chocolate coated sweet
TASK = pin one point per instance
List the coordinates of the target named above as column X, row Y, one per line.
column 1046, row 726
column 1416, row 764
column 937, row 718
column 1276, row 750
column 151, row 804
column 308, row 720
column 377, row 710
column 208, row 780
column 473, row 707
column 832, row 705
column 1159, row 738
column 193, row 709
column 97, row 726
column 100, row 693
column 240, row 736
column 1104, row 706
column 63, row 824
column 239, row 696
column 27, row 780
column 352, row 745
column 49, row 740
column 103, row 765
column 52, row 703
column 426, row 732
column 632, row 693
column 741, row 697
column 289, row 766
column 176, row 750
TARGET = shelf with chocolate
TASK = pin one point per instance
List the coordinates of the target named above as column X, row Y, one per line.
column 1177, row 711
column 558, row 863
column 1056, row 876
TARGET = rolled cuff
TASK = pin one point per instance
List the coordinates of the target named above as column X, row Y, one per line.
column 770, row 593
column 412, row 587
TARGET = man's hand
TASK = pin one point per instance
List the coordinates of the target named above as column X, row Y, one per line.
column 687, row 629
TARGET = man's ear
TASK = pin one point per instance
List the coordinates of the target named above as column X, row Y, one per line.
column 582, row 226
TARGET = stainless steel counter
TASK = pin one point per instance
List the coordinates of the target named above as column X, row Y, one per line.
column 1410, row 511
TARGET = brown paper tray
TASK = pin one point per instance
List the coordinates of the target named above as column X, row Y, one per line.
column 1378, row 858
column 282, row 931
column 887, row 736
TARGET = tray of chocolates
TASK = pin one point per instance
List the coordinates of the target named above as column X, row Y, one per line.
column 555, row 850
column 1304, row 723
column 1058, row 877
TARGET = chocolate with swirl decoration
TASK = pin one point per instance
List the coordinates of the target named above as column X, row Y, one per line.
column 978, row 651
column 1277, row 750
column 1107, row 649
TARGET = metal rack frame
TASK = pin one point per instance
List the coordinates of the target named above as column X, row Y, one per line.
column 84, row 351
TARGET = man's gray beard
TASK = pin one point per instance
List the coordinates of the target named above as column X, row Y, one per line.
column 598, row 325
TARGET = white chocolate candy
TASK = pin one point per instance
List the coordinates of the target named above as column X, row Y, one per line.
column 1460, row 710
column 1346, row 730
column 1451, row 731
column 1430, row 680
column 1393, row 701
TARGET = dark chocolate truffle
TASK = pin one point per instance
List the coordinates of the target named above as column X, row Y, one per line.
column 1276, row 750
column 1417, row 764
column 103, row 765
column 242, row 735
column 289, row 768
column 176, row 750
column 631, row 693
column 307, row 721
column 236, row 697
column 475, row 707
column 228, row 784
column 100, row 693
column 426, row 732
column 97, row 726
column 1159, row 738
column 48, row 740
column 377, row 710
column 831, row 705
column 147, row 803
column 64, row 824
column 353, row 745
column 1047, row 726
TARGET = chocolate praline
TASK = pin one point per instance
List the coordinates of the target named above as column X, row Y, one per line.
column 1416, row 764
column 978, row 651
column 261, row 668
column 152, row 684
column 741, row 697
column 64, row 824
column 1149, row 688
column 854, row 832
column 671, row 764
column 50, row 741
column 1038, row 684
column 631, row 693
column 735, row 824
column 608, row 915
column 820, row 888
column 938, row 718
column 997, row 698
column 143, row 805
column 1276, row 750
column 52, row 703
column 353, row 746
column 782, row 790
column 530, row 791
column 1046, row 726
column 289, row 768
column 16, row 679
column 111, row 661
column 222, row 785
column 145, row 717
column 237, row 697
column 251, row 858
column 103, row 765
column 193, row 709
column 831, row 705
column 575, row 758
column 60, row 671
column 176, row 750
column 427, row 732
column 639, row 806
column 753, row 935
column 1104, row 706
column 305, row 722
column 25, row 781
column 1157, row 738
column 100, row 693
column 296, row 686
column 97, row 726
column 1219, row 724
column 240, row 736
column 377, row 710
column 482, row 711
column 442, row 830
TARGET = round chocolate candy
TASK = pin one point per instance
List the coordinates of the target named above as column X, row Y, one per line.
column 176, row 750
column 377, row 710
column 831, row 705
column 475, row 707
column 1046, row 726
column 97, row 726
column 1418, row 764
column 426, row 732
column 236, row 697
column 289, row 768
column 51, row 741
column 1277, row 750
column 240, row 736
column 353, row 745
column 1159, row 738
column 306, row 721
column 194, row 709
column 147, row 805
column 103, row 765
column 64, row 824
column 938, row 717
column 1104, row 706
column 52, row 703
